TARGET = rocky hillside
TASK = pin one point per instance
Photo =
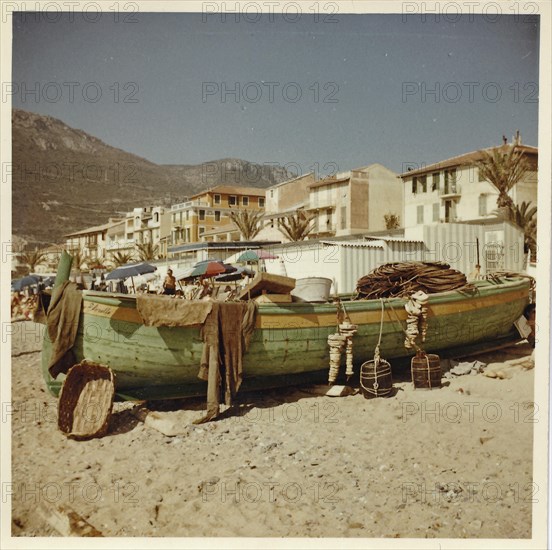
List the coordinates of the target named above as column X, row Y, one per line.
column 65, row 179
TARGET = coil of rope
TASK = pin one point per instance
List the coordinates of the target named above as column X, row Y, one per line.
column 404, row 278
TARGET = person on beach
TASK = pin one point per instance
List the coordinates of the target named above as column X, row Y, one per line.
column 16, row 309
column 169, row 284
column 102, row 285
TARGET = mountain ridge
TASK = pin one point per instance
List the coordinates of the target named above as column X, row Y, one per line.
column 64, row 179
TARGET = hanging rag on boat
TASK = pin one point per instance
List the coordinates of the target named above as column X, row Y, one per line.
column 164, row 311
column 225, row 342
column 62, row 322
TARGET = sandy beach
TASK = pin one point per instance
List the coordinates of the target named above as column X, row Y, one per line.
column 452, row 462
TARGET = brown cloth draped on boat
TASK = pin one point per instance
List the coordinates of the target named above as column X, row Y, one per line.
column 164, row 311
column 62, row 322
column 225, row 343
column 225, row 339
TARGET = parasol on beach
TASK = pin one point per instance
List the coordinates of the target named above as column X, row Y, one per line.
column 240, row 273
column 130, row 270
column 207, row 269
column 30, row 280
column 251, row 256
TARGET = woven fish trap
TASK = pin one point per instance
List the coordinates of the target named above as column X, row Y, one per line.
column 86, row 400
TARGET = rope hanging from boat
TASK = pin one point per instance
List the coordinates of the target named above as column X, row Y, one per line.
column 414, row 345
column 373, row 388
column 405, row 278
column 377, row 350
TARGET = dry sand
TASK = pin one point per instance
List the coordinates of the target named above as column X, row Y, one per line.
column 452, row 462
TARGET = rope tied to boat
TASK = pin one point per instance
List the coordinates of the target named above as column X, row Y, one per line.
column 377, row 356
column 414, row 345
column 373, row 388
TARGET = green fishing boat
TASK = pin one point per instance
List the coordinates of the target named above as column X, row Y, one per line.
column 289, row 344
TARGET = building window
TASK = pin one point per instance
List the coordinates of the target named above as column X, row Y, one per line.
column 423, row 181
column 217, row 199
column 450, row 181
column 156, row 217
column 202, row 215
column 232, row 200
column 261, row 202
column 315, row 225
column 187, row 215
column 245, row 201
column 272, row 193
column 482, row 205
column 217, row 215
column 480, row 175
column 201, row 230
column 420, row 214
column 435, row 181
column 436, row 212
column 188, row 237
column 414, row 185
column 343, row 217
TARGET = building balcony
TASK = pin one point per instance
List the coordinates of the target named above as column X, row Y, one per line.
column 120, row 244
column 450, row 191
column 188, row 204
column 322, row 205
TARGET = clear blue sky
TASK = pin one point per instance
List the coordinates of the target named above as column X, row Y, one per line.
column 374, row 67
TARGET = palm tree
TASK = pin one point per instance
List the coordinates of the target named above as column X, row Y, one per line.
column 503, row 168
column 248, row 222
column 79, row 258
column 97, row 263
column 297, row 226
column 392, row 221
column 122, row 258
column 524, row 216
column 32, row 258
column 147, row 251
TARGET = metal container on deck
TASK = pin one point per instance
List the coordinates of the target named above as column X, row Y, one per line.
column 312, row 289
column 426, row 371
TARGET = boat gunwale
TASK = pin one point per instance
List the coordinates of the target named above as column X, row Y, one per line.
column 488, row 286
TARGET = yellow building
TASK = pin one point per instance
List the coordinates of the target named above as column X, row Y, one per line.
column 209, row 211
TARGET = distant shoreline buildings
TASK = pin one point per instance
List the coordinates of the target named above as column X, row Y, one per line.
column 346, row 204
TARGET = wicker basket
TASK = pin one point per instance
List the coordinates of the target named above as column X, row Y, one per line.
column 86, row 401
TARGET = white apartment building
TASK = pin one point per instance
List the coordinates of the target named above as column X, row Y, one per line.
column 453, row 190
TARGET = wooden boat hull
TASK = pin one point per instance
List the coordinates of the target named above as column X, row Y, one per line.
column 289, row 344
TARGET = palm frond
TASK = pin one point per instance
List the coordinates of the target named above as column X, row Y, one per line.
column 147, row 251
column 32, row 258
column 297, row 226
column 122, row 258
column 503, row 168
column 248, row 222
